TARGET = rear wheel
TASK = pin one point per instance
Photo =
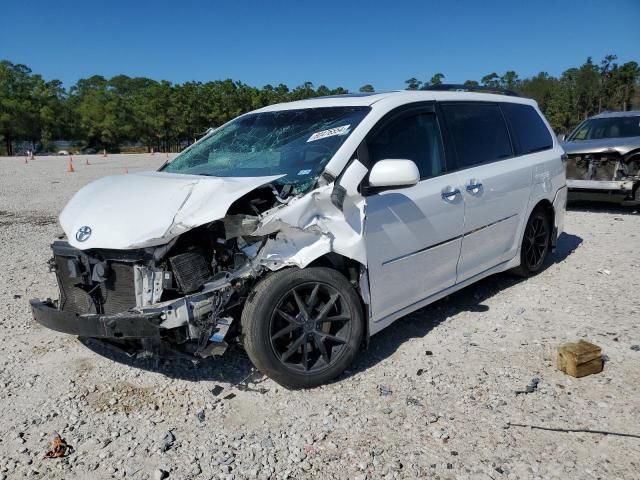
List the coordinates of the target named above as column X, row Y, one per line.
column 536, row 243
column 303, row 327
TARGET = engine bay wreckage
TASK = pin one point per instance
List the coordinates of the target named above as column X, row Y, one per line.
column 606, row 171
column 177, row 272
column 603, row 158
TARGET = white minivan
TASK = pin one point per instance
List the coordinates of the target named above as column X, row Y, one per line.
column 301, row 229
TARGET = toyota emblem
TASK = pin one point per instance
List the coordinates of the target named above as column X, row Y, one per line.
column 83, row 233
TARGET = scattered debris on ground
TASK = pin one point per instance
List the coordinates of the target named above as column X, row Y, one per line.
column 531, row 387
column 59, row 448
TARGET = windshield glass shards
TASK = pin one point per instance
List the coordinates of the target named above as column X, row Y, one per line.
column 608, row 127
column 294, row 143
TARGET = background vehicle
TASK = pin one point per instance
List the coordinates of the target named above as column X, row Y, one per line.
column 604, row 158
column 304, row 228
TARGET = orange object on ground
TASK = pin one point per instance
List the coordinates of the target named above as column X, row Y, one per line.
column 59, row 448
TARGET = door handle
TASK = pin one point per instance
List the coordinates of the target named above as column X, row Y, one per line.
column 450, row 193
column 474, row 186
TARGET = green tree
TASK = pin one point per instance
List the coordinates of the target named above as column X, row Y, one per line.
column 368, row 88
column 413, row 84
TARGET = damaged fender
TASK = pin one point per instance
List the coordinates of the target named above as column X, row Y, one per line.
column 313, row 225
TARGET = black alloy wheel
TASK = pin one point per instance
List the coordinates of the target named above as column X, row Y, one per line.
column 310, row 326
column 303, row 327
column 536, row 243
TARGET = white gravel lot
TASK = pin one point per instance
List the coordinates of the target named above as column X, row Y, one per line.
column 432, row 397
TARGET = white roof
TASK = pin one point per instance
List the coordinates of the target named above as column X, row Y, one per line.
column 398, row 97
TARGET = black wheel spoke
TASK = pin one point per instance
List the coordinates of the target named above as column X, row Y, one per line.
column 317, row 339
column 289, row 318
column 333, row 338
column 327, row 307
column 294, row 347
column 313, row 298
column 300, row 304
column 285, row 331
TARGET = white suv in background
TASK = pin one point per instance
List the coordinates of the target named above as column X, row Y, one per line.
column 301, row 229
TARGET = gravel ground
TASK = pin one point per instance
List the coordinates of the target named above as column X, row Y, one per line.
column 432, row 397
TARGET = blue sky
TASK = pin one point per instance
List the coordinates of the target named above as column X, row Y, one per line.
column 336, row 43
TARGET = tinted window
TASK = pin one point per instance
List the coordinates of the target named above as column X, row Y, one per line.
column 530, row 132
column 414, row 138
column 479, row 133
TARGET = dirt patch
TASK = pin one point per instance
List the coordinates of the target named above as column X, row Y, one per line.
column 9, row 218
column 122, row 397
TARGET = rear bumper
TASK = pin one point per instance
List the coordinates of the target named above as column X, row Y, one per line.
column 121, row 326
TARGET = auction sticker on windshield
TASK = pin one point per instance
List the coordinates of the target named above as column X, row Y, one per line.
column 331, row 132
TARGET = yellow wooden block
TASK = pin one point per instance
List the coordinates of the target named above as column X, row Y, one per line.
column 580, row 358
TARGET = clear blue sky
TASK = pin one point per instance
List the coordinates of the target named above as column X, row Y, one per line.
column 326, row 42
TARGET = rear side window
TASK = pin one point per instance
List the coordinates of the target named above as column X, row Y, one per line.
column 416, row 137
column 479, row 133
column 529, row 131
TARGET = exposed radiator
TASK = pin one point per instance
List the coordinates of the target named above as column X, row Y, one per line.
column 119, row 291
column 72, row 298
column 115, row 295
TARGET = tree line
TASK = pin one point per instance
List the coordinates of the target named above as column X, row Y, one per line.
column 105, row 113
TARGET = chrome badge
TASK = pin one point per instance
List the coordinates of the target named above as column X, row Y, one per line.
column 83, row 233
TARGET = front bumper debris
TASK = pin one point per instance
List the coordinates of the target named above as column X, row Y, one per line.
column 126, row 325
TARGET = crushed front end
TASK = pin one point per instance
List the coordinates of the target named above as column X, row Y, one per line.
column 602, row 176
column 186, row 291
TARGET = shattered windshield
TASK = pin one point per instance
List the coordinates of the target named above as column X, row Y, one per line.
column 611, row 127
column 294, row 143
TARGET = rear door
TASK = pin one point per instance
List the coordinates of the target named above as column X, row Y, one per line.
column 496, row 186
column 413, row 235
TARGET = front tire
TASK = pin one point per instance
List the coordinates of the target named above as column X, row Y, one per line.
column 536, row 243
column 302, row 328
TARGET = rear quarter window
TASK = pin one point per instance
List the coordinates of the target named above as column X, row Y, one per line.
column 530, row 134
column 478, row 131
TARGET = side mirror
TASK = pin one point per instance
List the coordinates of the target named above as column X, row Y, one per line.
column 562, row 137
column 394, row 173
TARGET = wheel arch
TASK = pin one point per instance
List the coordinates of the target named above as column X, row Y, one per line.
column 357, row 275
column 548, row 207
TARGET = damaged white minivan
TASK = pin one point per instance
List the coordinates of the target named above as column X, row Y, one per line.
column 301, row 229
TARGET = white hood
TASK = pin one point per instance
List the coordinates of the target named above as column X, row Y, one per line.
column 150, row 208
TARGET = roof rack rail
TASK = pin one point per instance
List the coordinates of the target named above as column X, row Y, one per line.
column 452, row 87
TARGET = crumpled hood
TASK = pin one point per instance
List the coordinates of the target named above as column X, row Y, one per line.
column 150, row 208
column 620, row 145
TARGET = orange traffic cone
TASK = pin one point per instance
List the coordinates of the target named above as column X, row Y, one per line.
column 70, row 167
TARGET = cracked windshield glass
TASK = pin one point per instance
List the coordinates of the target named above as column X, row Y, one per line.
column 294, row 143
